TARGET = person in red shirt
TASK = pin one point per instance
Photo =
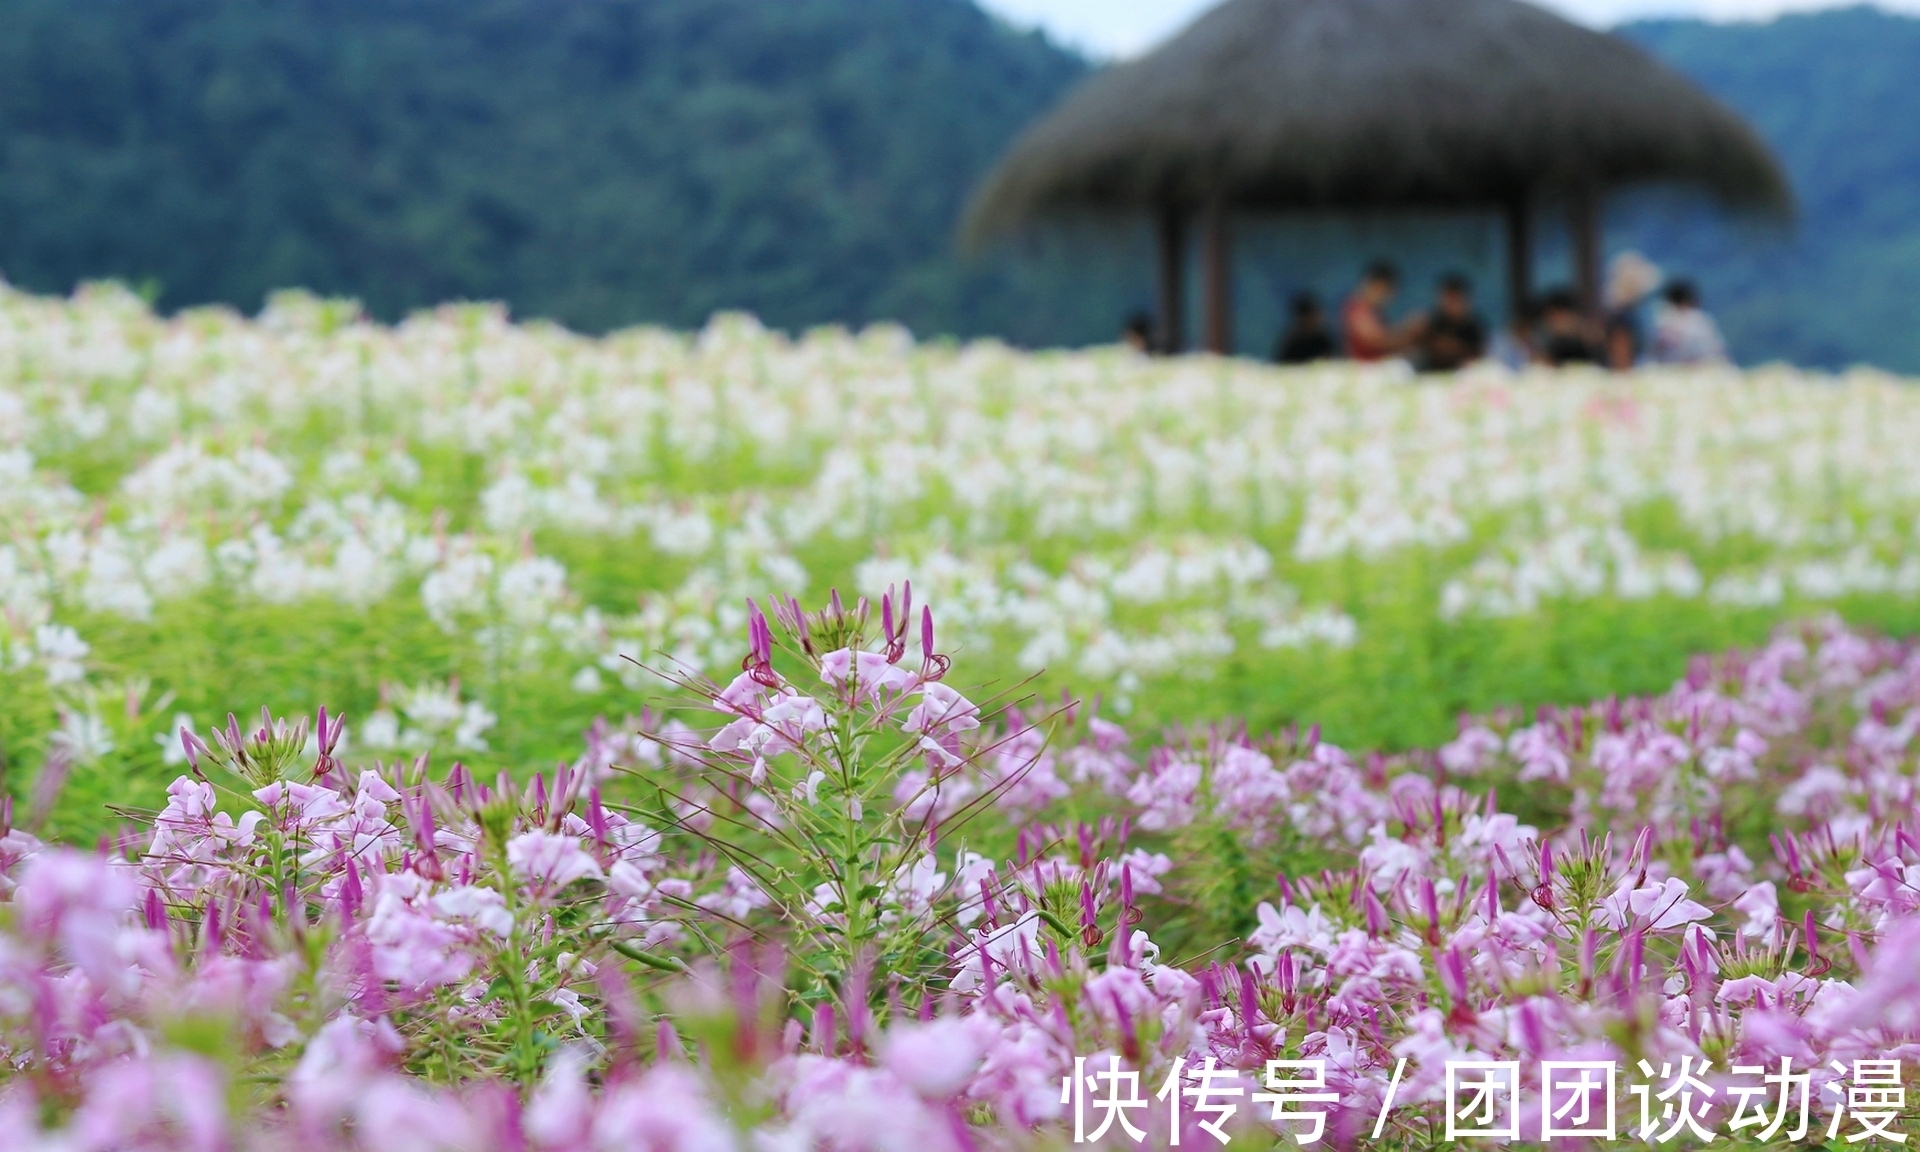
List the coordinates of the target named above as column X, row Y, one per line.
column 1363, row 320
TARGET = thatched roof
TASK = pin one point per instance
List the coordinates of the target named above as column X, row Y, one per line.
column 1281, row 104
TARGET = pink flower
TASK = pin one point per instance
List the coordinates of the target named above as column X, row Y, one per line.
column 779, row 726
column 1164, row 794
column 1147, row 868
column 1291, row 928
column 1541, row 752
column 1024, row 770
column 1010, row 947
column 1761, row 906
column 308, row 804
column 410, row 946
column 1471, row 752
column 666, row 1110
column 870, row 672
column 942, row 710
column 1658, row 906
column 550, row 861
column 173, row 1102
column 412, row 1118
column 842, row 1105
column 560, row 1114
column 1889, row 989
column 935, row 1059
column 82, row 906
column 481, row 907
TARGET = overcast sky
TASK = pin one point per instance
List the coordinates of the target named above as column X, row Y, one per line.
column 1124, row 27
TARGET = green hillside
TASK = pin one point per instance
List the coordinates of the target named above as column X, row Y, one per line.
column 603, row 162
column 1837, row 94
column 595, row 161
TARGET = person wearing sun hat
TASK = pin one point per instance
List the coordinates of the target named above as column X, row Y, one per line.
column 1631, row 280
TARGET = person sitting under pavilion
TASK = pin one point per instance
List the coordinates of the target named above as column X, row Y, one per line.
column 1683, row 333
column 1363, row 321
column 1451, row 336
column 1565, row 338
column 1307, row 337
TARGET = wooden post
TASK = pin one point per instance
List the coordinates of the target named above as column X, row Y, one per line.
column 1583, row 226
column 1216, row 280
column 1519, row 257
column 1171, row 234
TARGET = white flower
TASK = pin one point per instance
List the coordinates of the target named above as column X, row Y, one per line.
column 172, row 752
column 83, row 737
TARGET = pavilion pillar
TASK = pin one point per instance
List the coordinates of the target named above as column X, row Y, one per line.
column 1216, row 280
column 1583, row 226
column 1519, row 221
column 1170, row 240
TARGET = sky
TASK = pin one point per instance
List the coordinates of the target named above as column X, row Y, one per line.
column 1110, row 28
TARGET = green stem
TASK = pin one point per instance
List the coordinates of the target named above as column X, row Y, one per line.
column 642, row 956
column 852, row 875
column 523, row 1056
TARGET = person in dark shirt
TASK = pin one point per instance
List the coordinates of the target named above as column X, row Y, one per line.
column 1452, row 337
column 1307, row 338
column 1564, row 337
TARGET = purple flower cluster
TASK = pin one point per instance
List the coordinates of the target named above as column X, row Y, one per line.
column 857, row 910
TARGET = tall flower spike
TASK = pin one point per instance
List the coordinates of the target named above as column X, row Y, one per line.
column 1089, row 918
column 1430, row 908
column 989, row 905
column 800, row 625
column 932, row 665
column 893, row 627
column 1376, row 913
column 759, row 660
column 194, row 747
column 1636, row 857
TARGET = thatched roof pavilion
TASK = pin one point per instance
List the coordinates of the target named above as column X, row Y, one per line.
column 1272, row 105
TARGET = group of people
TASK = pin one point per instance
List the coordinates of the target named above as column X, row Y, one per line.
column 1633, row 328
column 1449, row 336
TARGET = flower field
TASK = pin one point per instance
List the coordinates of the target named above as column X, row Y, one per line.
column 459, row 530
column 842, row 743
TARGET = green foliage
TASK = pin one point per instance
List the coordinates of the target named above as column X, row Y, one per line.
column 599, row 162
column 1827, row 91
column 1402, row 685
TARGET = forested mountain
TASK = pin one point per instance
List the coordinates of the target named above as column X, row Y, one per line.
column 604, row 162
column 597, row 161
column 1837, row 94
